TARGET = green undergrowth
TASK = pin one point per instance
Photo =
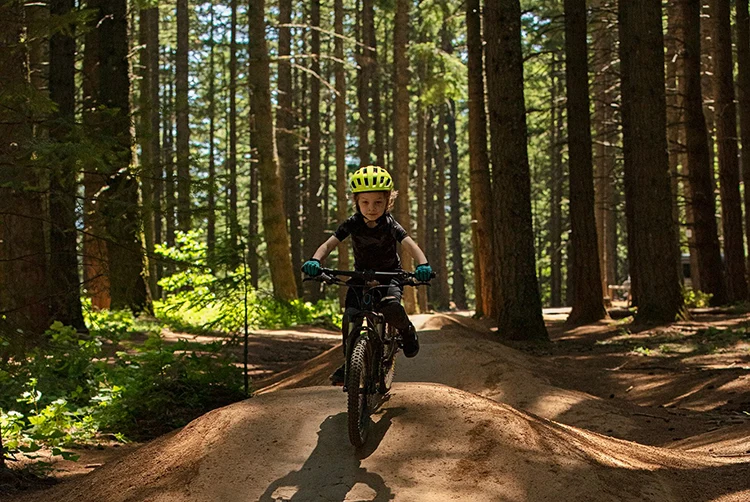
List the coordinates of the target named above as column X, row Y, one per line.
column 123, row 379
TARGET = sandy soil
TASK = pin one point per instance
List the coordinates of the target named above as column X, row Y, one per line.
column 603, row 412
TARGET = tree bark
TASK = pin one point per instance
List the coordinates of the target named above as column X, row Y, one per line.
column 169, row 171
column 64, row 285
column 285, row 135
column 211, row 180
column 700, row 193
column 401, row 133
column 274, row 225
column 652, row 244
column 516, row 295
column 377, row 122
column 458, row 293
column 314, row 210
column 587, row 304
column 23, row 264
column 363, row 84
column 95, row 259
column 556, row 189
column 479, row 165
column 149, row 131
column 726, row 138
column 183, row 117
column 442, row 298
column 605, row 127
column 232, row 189
column 743, row 90
column 340, row 112
column 120, row 208
column 431, row 207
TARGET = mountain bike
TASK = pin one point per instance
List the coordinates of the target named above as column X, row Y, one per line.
column 372, row 345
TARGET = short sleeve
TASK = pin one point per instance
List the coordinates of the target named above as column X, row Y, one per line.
column 397, row 230
column 344, row 230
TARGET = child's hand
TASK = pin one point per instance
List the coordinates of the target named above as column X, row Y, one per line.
column 311, row 267
column 423, row 272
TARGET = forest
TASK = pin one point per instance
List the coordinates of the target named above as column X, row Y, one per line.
column 169, row 165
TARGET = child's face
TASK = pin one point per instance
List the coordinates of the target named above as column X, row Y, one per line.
column 372, row 205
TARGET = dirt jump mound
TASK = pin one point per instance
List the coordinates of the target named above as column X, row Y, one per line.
column 429, row 443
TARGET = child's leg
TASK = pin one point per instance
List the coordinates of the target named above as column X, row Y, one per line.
column 396, row 316
column 351, row 305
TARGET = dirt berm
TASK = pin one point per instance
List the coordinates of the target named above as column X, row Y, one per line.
column 430, row 442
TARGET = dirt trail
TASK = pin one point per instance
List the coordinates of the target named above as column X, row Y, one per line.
column 490, row 426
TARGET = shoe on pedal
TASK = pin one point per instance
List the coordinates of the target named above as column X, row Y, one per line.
column 338, row 376
column 411, row 342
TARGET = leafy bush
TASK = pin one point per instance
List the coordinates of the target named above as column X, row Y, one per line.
column 163, row 386
column 694, row 298
column 201, row 300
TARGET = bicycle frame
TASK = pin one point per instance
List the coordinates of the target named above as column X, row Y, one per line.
column 370, row 347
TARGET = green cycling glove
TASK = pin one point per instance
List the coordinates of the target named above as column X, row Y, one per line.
column 423, row 272
column 312, row 267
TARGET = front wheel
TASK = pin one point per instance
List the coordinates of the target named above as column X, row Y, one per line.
column 388, row 363
column 358, row 385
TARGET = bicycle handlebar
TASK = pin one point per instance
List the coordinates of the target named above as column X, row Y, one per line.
column 330, row 276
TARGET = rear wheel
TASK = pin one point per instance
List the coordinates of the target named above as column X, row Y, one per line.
column 358, row 409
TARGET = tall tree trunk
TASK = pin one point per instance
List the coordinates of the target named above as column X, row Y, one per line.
column 169, row 167
column 314, row 210
column 743, row 89
column 401, row 133
column 707, row 72
column 23, row 295
column 605, row 151
column 274, row 225
column 700, row 193
column 479, row 165
column 211, row 180
column 587, row 304
column 64, row 285
column 253, row 259
column 285, row 134
column 431, row 209
column 674, row 109
column 420, row 189
column 183, row 117
column 128, row 288
column 149, row 135
column 377, row 122
column 95, row 259
column 363, row 83
column 516, row 295
column 341, row 180
column 652, row 245
column 232, row 213
column 556, row 189
column 442, row 298
column 726, row 138
column 157, row 171
column 458, row 294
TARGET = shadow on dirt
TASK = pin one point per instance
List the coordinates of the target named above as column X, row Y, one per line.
column 334, row 468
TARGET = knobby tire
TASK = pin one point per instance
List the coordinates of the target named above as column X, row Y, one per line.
column 358, row 409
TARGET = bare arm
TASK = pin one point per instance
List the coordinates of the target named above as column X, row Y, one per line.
column 414, row 251
column 325, row 249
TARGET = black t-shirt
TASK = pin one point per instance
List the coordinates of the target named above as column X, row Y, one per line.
column 374, row 248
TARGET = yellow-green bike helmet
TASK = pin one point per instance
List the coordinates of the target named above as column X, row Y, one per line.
column 371, row 179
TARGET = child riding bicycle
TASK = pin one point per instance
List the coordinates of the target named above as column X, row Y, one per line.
column 375, row 233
